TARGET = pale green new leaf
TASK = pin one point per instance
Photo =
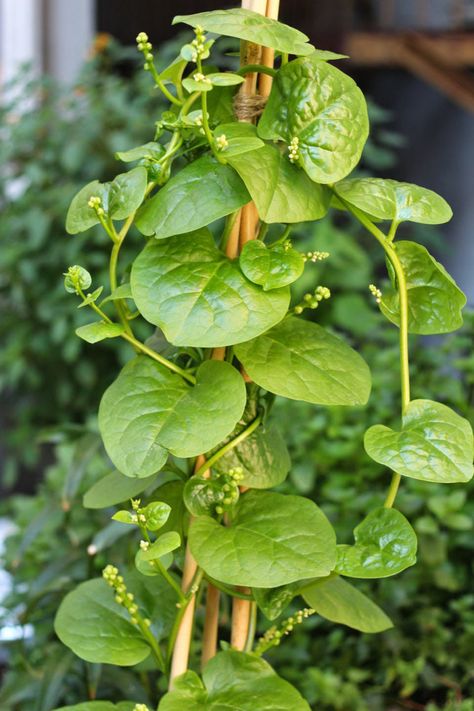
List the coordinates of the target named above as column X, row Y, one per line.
column 324, row 109
column 233, row 681
column 241, row 138
column 270, row 267
column 113, row 489
column 166, row 543
column 391, row 200
column 251, row 26
column 151, row 150
column 385, row 544
column 199, row 297
column 300, row 360
column 80, row 217
column 435, row 301
column 272, row 540
column 123, row 291
column 202, row 192
column 99, row 331
column 281, row 191
column 335, row 599
column 225, row 79
column 149, row 411
column 435, row 444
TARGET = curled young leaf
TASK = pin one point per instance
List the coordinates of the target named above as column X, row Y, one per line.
column 435, row 444
column 270, row 267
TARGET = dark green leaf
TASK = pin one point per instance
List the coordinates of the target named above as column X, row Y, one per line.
column 385, row 544
column 99, row 331
column 435, row 301
column 324, row 109
column 272, row 267
column 272, row 540
column 435, row 444
column 113, row 489
column 281, row 191
column 199, row 194
column 302, row 361
column 149, row 411
column 335, row 599
column 198, row 296
column 233, row 681
column 251, row 26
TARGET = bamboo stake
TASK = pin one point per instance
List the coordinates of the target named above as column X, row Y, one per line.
column 211, row 624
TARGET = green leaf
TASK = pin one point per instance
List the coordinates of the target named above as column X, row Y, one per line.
column 241, row 137
column 385, row 544
column 91, row 298
column 335, row 599
column 225, row 79
column 273, row 601
column 80, row 217
column 281, row 191
column 199, row 194
column 150, row 151
column 99, row 331
column 435, row 444
column 263, row 458
column 127, row 192
column 149, row 411
column 123, row 291
column 201, row 495
column 172, row 494
column 98, row 629
column 300, row 360
column 125, row 517
column 191, row 84
column 157, row 513
column 113, row 489
column 166, row 543
column 392, row 200
column 272, row 540
column 325, row 110
column 199, row 297
column 233, row 681
column 251, row 26
column 173, row 73
column 100, row 706
column 435, row 301
column 270, row 267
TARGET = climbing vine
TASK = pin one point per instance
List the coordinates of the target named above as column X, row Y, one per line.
column 238, row 159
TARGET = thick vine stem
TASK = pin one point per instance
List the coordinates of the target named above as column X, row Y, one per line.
column 390, row 251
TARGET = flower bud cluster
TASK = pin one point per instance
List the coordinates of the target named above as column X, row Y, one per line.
column 315, row 256
column 145, row 47
column 222, row 142
column 198, row 44
column 312, row 301
column 141, row 707
column 95, row 203
column 376, row 293
column 293, row 149
column 230, row 489
column 122, row 596
column 274, row 635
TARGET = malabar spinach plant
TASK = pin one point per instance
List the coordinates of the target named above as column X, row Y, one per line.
column 237, row 160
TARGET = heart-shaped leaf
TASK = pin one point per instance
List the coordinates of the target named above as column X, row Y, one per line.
column 335, row 599
column 149, row 411
column 435, row 301
column 272, row 268
column 435, row 444
column 99, row 630
column 233, row 681
column 182, row 205
column 300, row 360
column 99, row 331
column 392, row 200
column 198, row 296
column 281, row 191
column 272, row 540
column 322, row 112
column 240, row 137
column 385, row 544
column 251, row 26
column 113, row 489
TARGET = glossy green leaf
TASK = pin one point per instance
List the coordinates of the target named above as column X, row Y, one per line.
column 241, row 138
column 80, row 217
column 270, row 267
column 151, row 150
column 124, row 517
column 385, row 544
column 202, row 495
column 156, row 513
column 148, row 411
column 272, row 540
column 233, row 681
column 99, row 331
column 435, row 301
column 281, row 191
column 183, row 205
column 435, row 444
column 172, row 494
column 251, row 26
column 123, row 291
column 325, row 110
column 300, row 360
column 166, row 543
column 335, row 599
column 273, row 601
column 262, row 456
column 199, row 297
column 113, row 489
column 392, row 200
column 191, row 85
column 225, row 78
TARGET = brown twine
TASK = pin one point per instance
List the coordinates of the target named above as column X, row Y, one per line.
column 247, row 108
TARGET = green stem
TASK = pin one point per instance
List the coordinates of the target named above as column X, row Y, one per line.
column 403, row 334
column 162, row 86
column 195, row 583
column 205, row 119
column 119, row 305
column 392, row 231
column 230, row 445
column 159, row 358
column 155, row 647
column 252, row 627
column 169, row 579
column 262, row 231
column 283, row 237
column 228, row 589
column 257, row 68
column 189, row 102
